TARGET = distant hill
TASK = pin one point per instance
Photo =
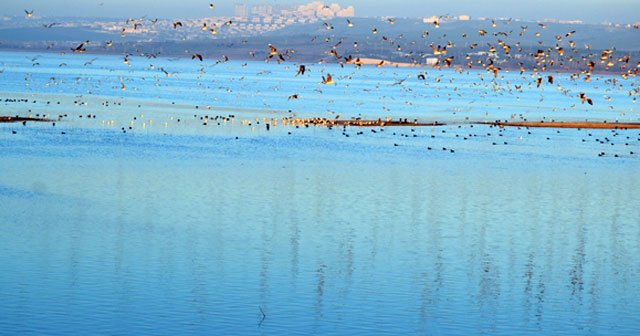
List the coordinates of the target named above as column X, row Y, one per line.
column 510, row 44
column 52, row 34
column 599, row 36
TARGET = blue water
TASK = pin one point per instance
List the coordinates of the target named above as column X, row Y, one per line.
column 193, row 229
column 369, row 92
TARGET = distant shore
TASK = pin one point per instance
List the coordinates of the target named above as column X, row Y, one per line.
column 324, row 122
column 414, row 123
column 4, row 119
column 567, row 124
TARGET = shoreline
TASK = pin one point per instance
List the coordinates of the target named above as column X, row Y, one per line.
column 565, row 124
column 7, row 119
column 404, row 122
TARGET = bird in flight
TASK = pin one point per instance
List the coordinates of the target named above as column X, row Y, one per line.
column 273, row 50
column 301, row 70
column 80, row 49
column 583, row 98
column 198, row 56
column 28, row 13
column 176, row 24
column 328, row 80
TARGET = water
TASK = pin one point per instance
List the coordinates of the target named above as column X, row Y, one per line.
column 186, row 229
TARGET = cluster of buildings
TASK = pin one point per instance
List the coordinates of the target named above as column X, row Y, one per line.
column 247, row 20
column 311, row 11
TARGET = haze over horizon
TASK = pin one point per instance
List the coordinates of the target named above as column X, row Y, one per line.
column 591, row 11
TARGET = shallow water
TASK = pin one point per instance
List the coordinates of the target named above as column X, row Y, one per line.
column 193, row 229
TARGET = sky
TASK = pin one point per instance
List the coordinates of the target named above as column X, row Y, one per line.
column 587, row 10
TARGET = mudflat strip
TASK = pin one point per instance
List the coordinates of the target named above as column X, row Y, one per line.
column 21, row 119
column 566, row 124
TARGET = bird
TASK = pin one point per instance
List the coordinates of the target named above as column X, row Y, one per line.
column 293, row 96
column 301, row 70
column 198, row 56
column 177, row 24
column 49, row 25
column 328, row 80
column 272, row 50
column 28, row 13
column 165, row 72
column 80, row 48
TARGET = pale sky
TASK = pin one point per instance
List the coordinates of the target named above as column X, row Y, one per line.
column 587, row 10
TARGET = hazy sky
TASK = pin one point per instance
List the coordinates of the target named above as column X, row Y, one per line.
column 588, row 10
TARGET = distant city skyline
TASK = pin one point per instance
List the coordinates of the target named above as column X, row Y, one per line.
column 587, row 10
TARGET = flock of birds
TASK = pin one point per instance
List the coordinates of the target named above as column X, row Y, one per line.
column 546, row 61
column 561, row 57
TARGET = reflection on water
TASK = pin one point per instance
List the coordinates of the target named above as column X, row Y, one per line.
column 319, row 241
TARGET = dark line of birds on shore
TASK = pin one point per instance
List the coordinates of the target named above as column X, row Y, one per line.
column 348, row 127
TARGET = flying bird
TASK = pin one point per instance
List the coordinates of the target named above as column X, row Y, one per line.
column 328, row 80
column 301, row 70
column 79, row 49
column 583, row 98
